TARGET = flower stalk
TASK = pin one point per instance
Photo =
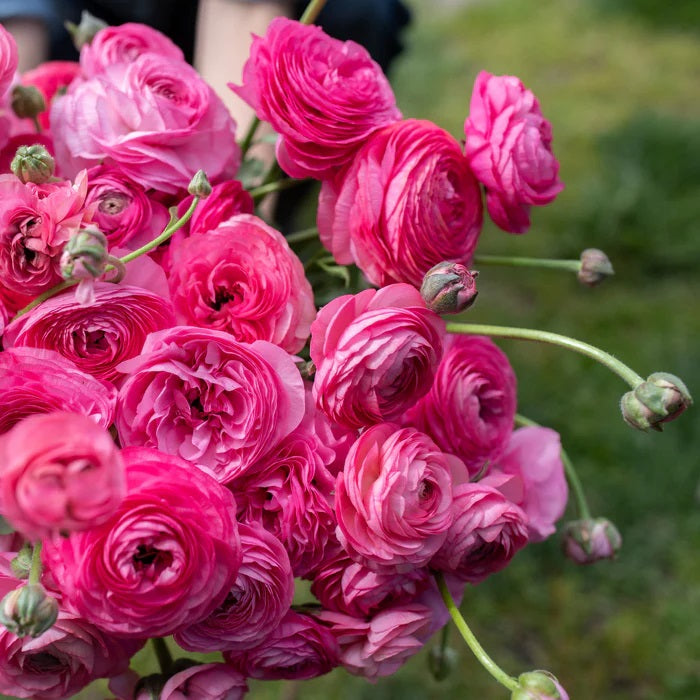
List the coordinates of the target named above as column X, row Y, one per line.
column 36, row 568
column 514, row 261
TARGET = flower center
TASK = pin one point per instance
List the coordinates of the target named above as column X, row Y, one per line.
column 147, row 555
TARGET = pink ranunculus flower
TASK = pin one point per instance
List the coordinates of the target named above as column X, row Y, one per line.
column 124, row 44
column 35, row 223
column 243, row 278
column 154, row 117
column 376, row 354
column 407, row 202
column 202, row 395
column 323, row 96
column 36, row 381
column 530, row 473
column 123, row 209
column 59, row 473
column 487, row 531
column 255, row 605
column 300, row 648
column 166, row 558
column 51, row 78
column 97, row 337
column 214, row 681
column 8, row 60
column 470, row 408
column 393, row 501
column 509, row 150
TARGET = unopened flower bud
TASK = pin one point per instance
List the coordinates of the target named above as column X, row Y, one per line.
column 28, row 610
column 84, row 32
column 441, row 662
column 658, row 400
column 595, row 267
column 27, row 102
column 199, row 185
column 449, row 288
column 307, row 369
column 539, row 685
column 589, row 541
column 84, row 255
column 22, row 563
column 33, row 164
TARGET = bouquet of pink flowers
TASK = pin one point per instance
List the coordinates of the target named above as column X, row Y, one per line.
column 183, row 433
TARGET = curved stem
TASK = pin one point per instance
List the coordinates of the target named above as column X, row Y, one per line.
column 570, row 265
column 258, row 193
column 312, row 11
column 571, row 475
column 35, row 570
column 165, row 658
column 612, row 363
column 484, row 659
column 307, row 234
column 46, row 295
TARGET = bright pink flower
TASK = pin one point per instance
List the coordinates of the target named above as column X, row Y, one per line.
column 165, row 559
column 255, row 605
column 8, row 60
column 97, row 337
column 470, row 408
column 204, row 682
column 407, row 202
column 50, row 78
column 124, row 44
column 204, row 396
column 59, row 472
column 393, row 500
column 487, row 531
column 300, row 648
column 530, row 473
column 376, row 354
column 37, row 381
column 154, row 117
column 324, row 97
column 509, row 150
column 243, row 278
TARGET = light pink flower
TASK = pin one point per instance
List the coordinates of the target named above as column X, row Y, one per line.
column 154, row 117
column 8, row 60
column 50, row 78
column 323, row 96
column 407, row 202
column 165, row 559
column 255, row 605
column 243, row 278
column 509, row 150
column 204, row 396
column 205, row 682
column 470, row 408
column 37, row 381
column 376, row 354
column 393, row 501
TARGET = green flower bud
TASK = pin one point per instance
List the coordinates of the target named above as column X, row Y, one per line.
column 199, row 185
column 658, row 400
column 85, row 255
column 84, row 32
column 27, row 102
column 33, row 164
column 538, row 685
column 28, row 610
column 589, row 541
column 595, row 267
column 449, row 288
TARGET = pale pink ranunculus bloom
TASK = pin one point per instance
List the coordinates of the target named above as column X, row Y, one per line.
column 213, row 681
column 393, row 500
column 154, row 117
column 470, row 407
column 202, row 395
column 530, row 473
column 407, row 201
column 165, row 559
column 324, row 97
column 243, row 278
column 59, row 472
column 8, row 60
column 509, row 150
column 376, row 354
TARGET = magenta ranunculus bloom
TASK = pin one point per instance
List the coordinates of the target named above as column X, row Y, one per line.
column 300, row 648
column 407, row 202
column 243, row 278
column 8, row 60
column 487, row 531
column 51, row 78
column 204, row 396
column 376, row 354
column 324, row 97
column 33, row 380
column 154, row 117
column 204, row 682
column 59, row 473
column 530, row 473
column 96, row 337
column 255, row 605
column 165, row 559
column 393, row 501
column 470, row 408
column 509, row 150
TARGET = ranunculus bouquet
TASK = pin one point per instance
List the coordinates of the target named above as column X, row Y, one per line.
column 183, row 433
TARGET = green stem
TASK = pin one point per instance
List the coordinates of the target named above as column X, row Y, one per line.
column 622, row 370
column 312, row 11
column 37, row 126
column 571, row 475
column 46, row 295
column 307, row 234
column 35, row 570
column 248, row 138
column 165, row 658
column 484, row 659
column 570, row 265
column 258, row 193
